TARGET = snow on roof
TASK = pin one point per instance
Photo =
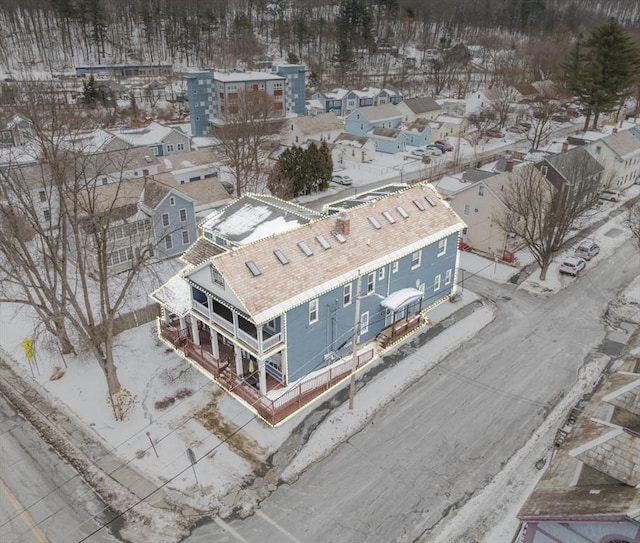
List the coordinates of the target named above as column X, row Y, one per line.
column 247, row 221
column 400, row 298
column 450, row 120
column 336, row 94
column 89, row 142
column 150, row 135
column 174, row 294
column 230, row 77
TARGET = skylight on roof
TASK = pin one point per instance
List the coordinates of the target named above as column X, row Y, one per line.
column 253, row 268
column 305, row 248
column 431, row 201
column 402, row 212
column 281, row 257
column 418, row 205
column 375, row 223
column 338, row 236
column 388, row 216
column 323, row 241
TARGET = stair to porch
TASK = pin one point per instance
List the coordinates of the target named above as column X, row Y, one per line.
column 382, row 340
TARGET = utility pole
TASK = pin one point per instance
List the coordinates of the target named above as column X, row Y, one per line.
column 354, row 354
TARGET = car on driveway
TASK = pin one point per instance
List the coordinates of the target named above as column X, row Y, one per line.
column 587, row 249
column 572, row 265
column 434, row 150
column 611, row 195
column 420, row 151
column 446, row 146
column 342, row 179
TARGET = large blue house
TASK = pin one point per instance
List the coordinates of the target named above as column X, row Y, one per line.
column 272, row 318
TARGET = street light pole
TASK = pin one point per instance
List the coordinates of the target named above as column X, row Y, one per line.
column 354, row 354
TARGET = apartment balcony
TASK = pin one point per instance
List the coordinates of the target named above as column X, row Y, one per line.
column 244, row 332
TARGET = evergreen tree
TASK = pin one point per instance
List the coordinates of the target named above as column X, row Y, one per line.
column 325, row 166
column 600, row 71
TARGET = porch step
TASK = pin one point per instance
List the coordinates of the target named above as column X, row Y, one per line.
column 382, row 340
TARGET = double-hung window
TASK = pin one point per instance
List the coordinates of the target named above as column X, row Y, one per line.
column 313, row 311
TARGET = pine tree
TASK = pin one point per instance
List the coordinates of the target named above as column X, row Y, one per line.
column 600, row 70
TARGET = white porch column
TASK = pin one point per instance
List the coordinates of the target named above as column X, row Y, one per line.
column 259, row 334
column 210, row 308
column 165, row 316
column 238, row 353
column 235, row 323
column 215, row 349
column 263, row 377
column 195, row 333
column 183, row 327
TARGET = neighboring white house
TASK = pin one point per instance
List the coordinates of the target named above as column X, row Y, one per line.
column 161, row 139
column 348, row 147
column 619, row 153
column 322, row 127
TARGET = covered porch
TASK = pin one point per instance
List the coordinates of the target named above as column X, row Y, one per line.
column 403, row 314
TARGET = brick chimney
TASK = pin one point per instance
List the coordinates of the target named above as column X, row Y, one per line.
column 508, row 167
column 343, row 224
column 565, row 146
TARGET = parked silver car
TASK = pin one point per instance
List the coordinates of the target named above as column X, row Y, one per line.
column 342, row 179
column 587, row 249
column 572, row 265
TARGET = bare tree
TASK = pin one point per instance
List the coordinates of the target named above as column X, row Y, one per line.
column 541, row 117
column 250, row 121
column 61, row 234
column 633, row 222
column 502, row 104
column 541, row 214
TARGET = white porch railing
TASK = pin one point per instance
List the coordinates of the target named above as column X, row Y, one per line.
column 201, row 308
column 222, row 322
column 270, row 342
column 248, row 339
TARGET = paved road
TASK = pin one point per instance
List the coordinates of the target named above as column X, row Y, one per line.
column 449, row 434
column 42, row 499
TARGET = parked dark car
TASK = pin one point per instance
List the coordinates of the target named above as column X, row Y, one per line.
column 447, row 146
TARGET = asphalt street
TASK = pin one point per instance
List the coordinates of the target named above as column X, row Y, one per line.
column 445, row 438
column 42, row 498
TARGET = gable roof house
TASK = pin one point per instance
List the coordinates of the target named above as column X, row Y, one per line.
column 142, row 215
column 590, row 490
column 576, row 166
column 365, row 119
column 449, row 126
column 323, row 127
column 417, row 133
column 347, row 147
column 332, row 101
column 619, row 153
column 423, row 107
column 96, row 169
column 266, row 308
column 162, row 140
column 477, row 197
column 17, row 131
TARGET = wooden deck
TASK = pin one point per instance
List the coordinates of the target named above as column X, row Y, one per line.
column 223, row 370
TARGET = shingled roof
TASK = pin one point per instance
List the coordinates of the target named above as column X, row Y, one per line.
column 423, row 104
column 330, row 262
column 595, row 471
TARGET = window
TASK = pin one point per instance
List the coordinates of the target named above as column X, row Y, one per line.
column 172, row 201
column 313, row 311
column 168, row 242
column 185, row 237
column 598, row 149
column 371, row 283
column 43, row 196
column 416, row 259
column 364, row 323
column 216, row 277
column 481, row 191
column 180, row 146
column 395, row 266
column 380, row 274
column 170, row 148
column 544, row 170
column 156, row 151
column 183, row 215
column 442, row 247
column 436, row 283
column 165, row 219
column 447, row 277
column 466, row 210
column 346, row 295
column 47, row 215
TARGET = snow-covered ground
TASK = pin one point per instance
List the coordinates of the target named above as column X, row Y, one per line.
column 154, row 439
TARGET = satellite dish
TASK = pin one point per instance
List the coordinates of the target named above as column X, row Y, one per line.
column 417, row 283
